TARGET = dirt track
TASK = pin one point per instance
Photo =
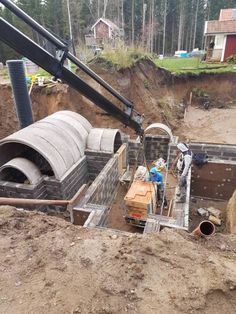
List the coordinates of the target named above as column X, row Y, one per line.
column 50, row 266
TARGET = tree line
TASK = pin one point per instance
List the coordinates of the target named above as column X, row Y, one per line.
column 159, row 26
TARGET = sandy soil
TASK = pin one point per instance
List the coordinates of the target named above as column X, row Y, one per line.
column 50, row 266
column 214, row 125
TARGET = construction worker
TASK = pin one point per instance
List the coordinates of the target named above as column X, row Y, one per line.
column 183, row 165
column 157, row 177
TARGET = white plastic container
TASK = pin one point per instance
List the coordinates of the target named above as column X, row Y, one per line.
column 40, row 80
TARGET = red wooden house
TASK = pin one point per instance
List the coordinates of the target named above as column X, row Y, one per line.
column 104, row 31
column 223, row 33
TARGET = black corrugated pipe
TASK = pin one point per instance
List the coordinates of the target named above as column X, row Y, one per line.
column 20, row 92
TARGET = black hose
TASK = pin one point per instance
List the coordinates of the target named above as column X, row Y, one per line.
column 20, row 92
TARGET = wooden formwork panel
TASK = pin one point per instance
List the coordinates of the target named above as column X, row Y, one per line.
column 215, row 180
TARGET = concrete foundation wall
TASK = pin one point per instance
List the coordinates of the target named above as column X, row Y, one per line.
column 156, row 147
column 216, row 180
column 16, row 190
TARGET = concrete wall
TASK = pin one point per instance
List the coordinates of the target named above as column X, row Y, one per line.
column 215, row 180
column 16, row 190
column 156, row 147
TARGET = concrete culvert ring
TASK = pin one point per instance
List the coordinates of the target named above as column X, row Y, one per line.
column 20, row 170
column 105, row 140
column 161, row 127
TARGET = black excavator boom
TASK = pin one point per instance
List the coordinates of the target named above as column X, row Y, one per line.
column 55, row 66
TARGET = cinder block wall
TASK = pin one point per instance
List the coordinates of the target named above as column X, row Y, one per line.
column 96, row 162
column 70, row 183
column 16, row 190
column 50, row 188
column 156, row 146
column 214, row 151
column 101, row 191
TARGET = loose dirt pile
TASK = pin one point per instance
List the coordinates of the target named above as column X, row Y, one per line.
column 50, row 266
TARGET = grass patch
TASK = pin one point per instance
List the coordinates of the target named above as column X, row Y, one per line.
column 193, row 66
column 123, row 58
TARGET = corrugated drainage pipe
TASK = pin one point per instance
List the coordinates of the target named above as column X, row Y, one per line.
column 205, row 229
column 20, row 92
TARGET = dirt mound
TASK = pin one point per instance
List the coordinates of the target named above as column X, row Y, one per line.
column 49, row 265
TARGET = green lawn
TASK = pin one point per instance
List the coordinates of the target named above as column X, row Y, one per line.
column 193, row 66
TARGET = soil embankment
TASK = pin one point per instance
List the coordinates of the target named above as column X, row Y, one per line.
column 49, row 265
column 158, row 94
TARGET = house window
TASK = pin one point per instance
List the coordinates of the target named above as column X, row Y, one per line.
column 219, row 41
column 234, row 14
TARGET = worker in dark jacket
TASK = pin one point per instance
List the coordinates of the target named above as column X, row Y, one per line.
column 183, row 165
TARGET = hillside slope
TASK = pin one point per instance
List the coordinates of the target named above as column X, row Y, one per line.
column 156, row 93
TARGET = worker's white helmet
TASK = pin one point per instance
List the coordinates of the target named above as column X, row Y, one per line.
column 182, row 147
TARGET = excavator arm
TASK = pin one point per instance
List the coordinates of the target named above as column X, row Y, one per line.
column 55, row 66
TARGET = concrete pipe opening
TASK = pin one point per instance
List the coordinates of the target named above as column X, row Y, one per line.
column 13, row 175
column 205, row 229
column 11, row 150
column 104, row 140
column 117, row 142
column 20, row 170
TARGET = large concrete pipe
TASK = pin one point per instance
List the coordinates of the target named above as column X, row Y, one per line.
column 20, row 92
